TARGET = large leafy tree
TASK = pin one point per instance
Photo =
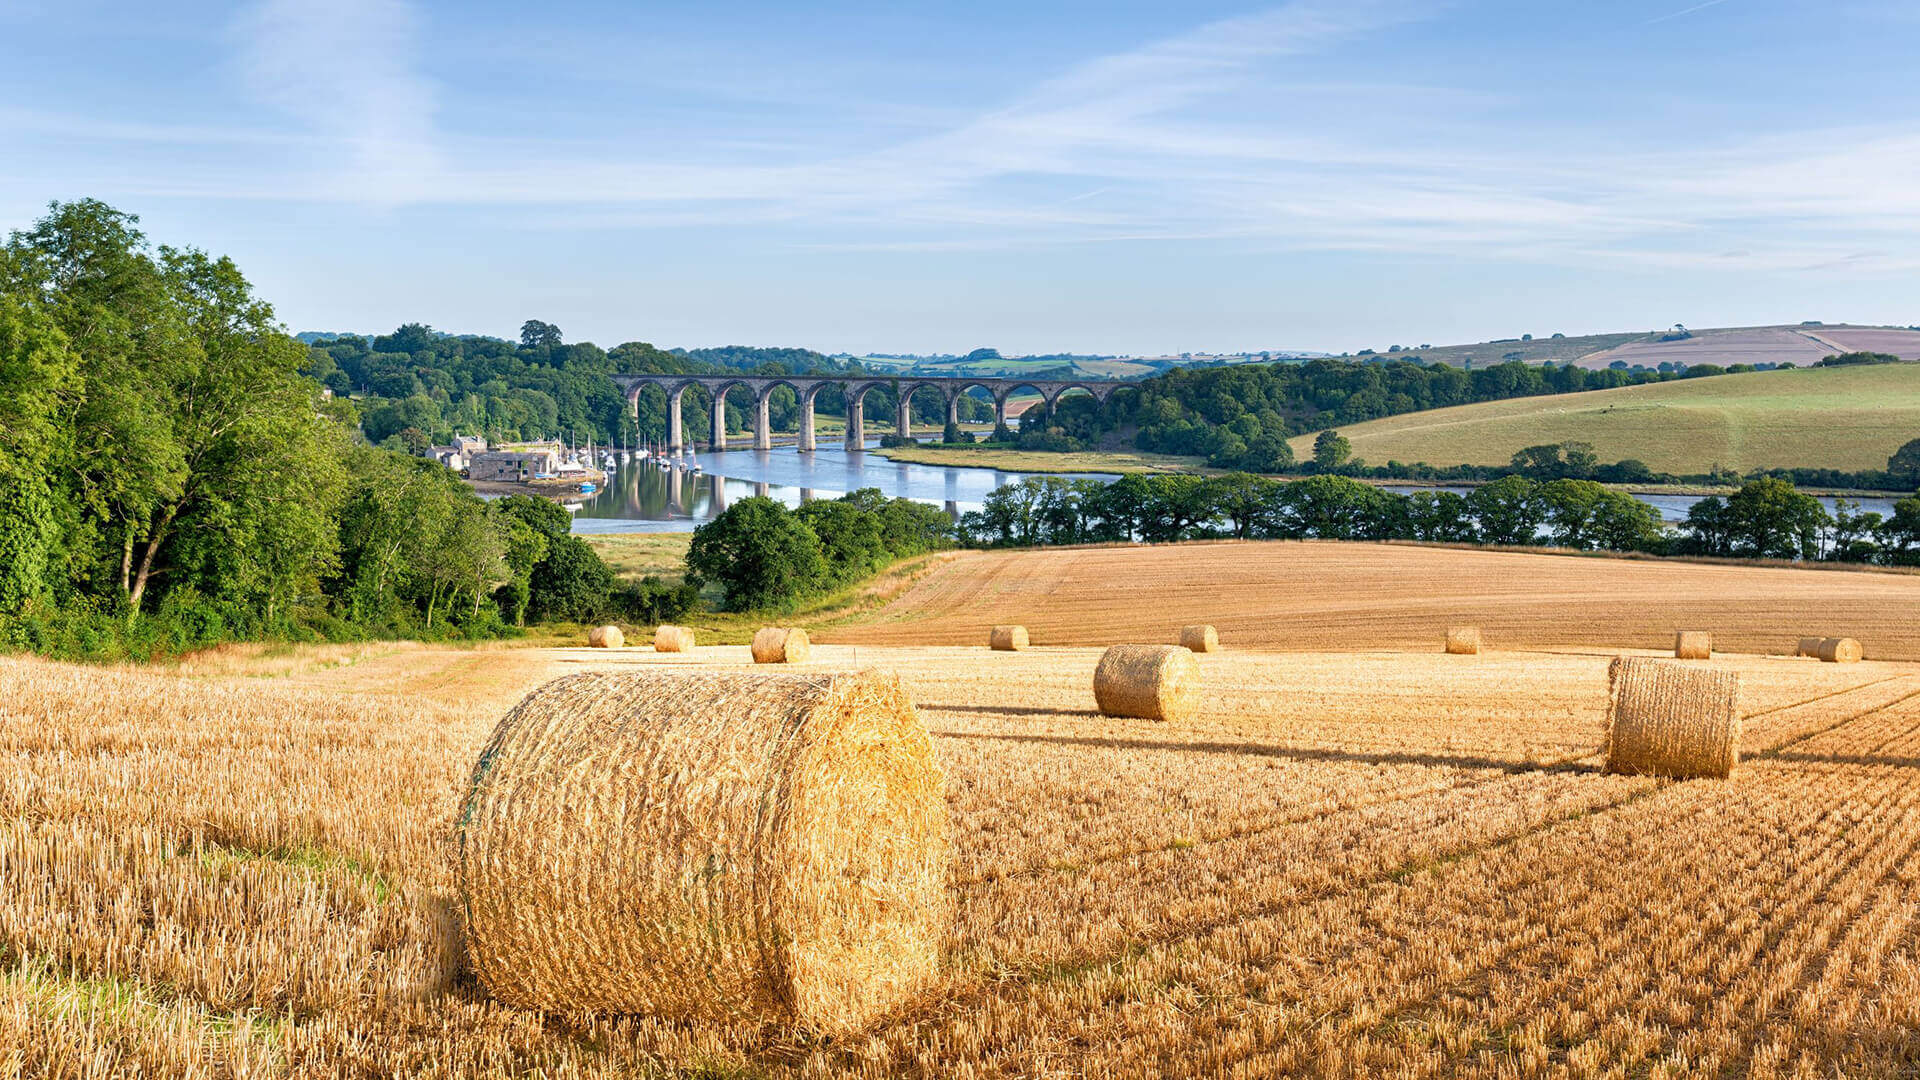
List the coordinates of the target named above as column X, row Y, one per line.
column 196, row 452
column 763, row 555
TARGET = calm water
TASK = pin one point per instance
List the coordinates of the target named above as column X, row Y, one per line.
column 641, row 497
column 645, row 498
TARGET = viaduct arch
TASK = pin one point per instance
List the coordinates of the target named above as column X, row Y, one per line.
column 855, row 387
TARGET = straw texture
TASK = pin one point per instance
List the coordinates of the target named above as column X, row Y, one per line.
column 1693, row 645
column 1667, row 720
column 780, row 645
column 1463, row 640
column 1840, row 650
column 606, row 637
column 1008, row 638
column 707, row 845
column 672, row 639
column 1199, row 639
column 1808, row 646
column 1152, row 682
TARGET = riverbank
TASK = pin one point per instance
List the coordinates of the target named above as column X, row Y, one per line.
column 1003, row 459
column 558, row 490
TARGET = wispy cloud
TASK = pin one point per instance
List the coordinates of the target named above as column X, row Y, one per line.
column 1683, row 11
column 345, row 70
column 1121, row 148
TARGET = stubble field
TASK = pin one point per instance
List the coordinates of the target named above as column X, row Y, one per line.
column 1315, row 595
column 1362, row 863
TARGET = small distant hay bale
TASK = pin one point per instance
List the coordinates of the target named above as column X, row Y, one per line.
column 1808, row 646
column 1463, row 640
column 1152, row 682
column 719, row 846
column 780, row 645
column 606, row 637
column 1692, row 645
column 672, row 639
column 1199, row 639
column 1008, row 638
column 1840, row 650
column 1664, row 719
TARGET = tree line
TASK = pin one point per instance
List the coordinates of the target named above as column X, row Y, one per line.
column 171, row 476
column 1765, row 518
column 766, row 557
column 417, row 387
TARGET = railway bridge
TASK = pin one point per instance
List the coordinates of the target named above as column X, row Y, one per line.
column 856, row 388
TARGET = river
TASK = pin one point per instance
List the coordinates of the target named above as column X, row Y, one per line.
column 641, row 497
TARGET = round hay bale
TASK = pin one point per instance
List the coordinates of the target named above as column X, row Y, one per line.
column 780, row 645
column 1199, row 639
column 1008, row 638
column 1463, row 640
column 1664, row 719
column 725, row 846
column 1840, row 650
column 672, row 639
column 1808, row 646
column 606, row 637
column 1152, row 682
column 1692, row 645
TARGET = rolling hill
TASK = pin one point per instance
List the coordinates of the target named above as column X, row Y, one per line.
column 1848, row 418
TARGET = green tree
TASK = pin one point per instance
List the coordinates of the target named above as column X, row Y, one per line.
column 1770, row 519
column 1904, row 465
column 850, row 538
column 572, row 582
column 1509, row 511
column 1331, row 450
column 38, row 377
column 1900, row 533
column 1246, row 501
column 763, row 556
column 535, row 334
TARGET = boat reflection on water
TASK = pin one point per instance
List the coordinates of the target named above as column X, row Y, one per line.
column 693, row 489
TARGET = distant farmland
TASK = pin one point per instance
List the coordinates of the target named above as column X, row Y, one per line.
column 1830, row 418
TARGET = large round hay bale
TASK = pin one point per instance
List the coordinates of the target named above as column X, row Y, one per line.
column 1008, row 638
column 1692, row 645
column 1152, row 682
column 1201, row 638
column 1665, row 719
column 1463, row 640
column 606, row 637
column 780, row 645
column 708, row 845
column 1840, row 650
column 672, row 639
column 1808, row 646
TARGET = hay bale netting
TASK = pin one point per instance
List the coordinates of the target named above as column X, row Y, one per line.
column 780, row 645
column 1665, row 719
column 1692, row 645
column 1808, row 646
column 1463, row 640
column 1152, row 682
column 672, row 639
column 1840, row 650
column 606, row 637
column 1008, row 638
column 1199, row 639
column 730, row 846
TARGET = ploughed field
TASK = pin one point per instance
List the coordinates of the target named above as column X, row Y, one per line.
column 1360, row 863
column 1314, row 595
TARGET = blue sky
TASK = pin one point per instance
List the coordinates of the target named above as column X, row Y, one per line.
column 1114, row 177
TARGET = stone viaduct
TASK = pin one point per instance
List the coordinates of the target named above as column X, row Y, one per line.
column 856, row 387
